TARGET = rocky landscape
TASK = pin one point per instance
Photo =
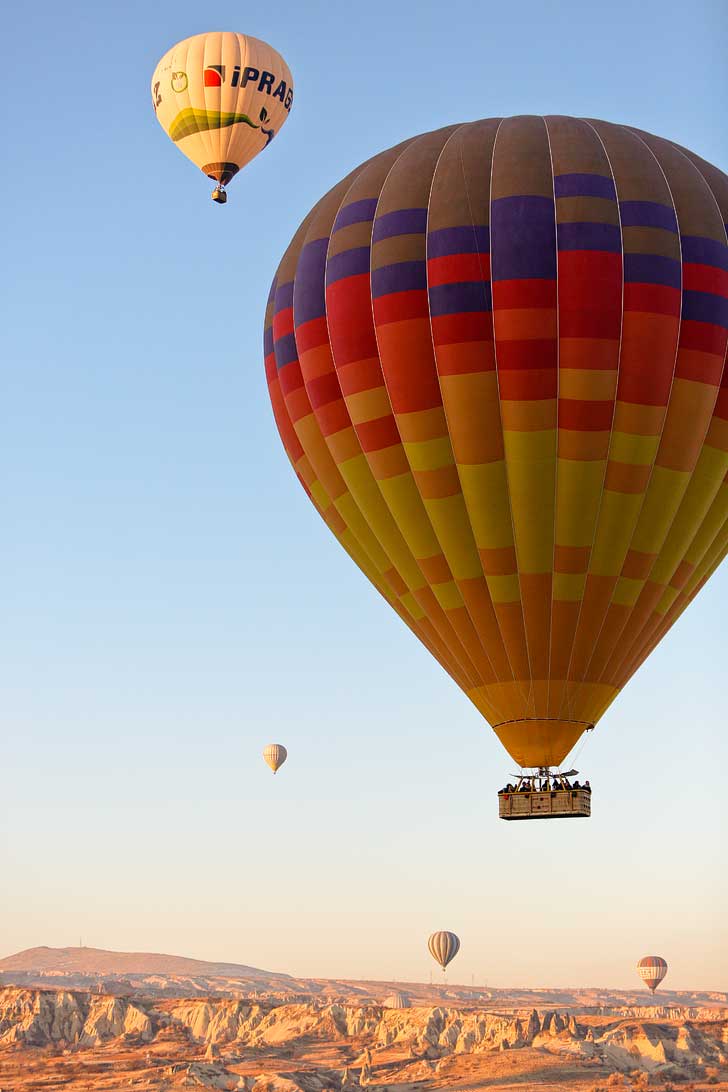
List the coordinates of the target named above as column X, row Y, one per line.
column 146, row 1022
column 73, row 1039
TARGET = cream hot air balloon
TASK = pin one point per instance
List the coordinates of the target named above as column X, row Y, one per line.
column 221, row 97
column 652, row 969
column 275, row 754
column 444, row 946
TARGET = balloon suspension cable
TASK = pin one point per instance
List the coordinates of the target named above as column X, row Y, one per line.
column 582, row 744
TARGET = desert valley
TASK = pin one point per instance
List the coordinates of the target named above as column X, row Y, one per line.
column 80, row 1018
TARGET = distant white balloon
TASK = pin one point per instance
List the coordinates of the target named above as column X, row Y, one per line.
column 275, row 754
column 444, row 946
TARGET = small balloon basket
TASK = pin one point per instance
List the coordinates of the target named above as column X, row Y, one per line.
column 545, row 794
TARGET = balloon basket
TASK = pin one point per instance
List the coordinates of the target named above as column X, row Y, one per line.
column 218, row 195
column 546, row 795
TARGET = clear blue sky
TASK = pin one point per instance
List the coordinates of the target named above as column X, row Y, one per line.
column 171, row 601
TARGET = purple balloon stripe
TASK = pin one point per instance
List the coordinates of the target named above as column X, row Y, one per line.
column 400, row 222
column 284, row 297
column 455, row 299
column 272, row 292
column 350, row 263
column 309, row 302
column 584, row 185
column 648, row 214
column 652, row 269
column 268, row 341
column 358, row 212
column 312, row 258
column 402, row 277
column 309, row 295
column 523, row 238
column 705, row 307
column 702, row 251
column 286, row 351
column 589, row 236
column 474, row 239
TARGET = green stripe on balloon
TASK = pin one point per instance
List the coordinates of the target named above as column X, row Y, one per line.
column 191, row 121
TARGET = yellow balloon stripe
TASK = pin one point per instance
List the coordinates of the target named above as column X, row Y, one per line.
column 406, row 606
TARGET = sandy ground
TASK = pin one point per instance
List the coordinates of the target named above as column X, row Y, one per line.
column 164, row 1066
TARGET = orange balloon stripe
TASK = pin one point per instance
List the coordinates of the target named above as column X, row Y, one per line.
column 693, row 397
column 650, row 330
column 415, row 620
column 458, row 260
column 706, row 357
column 322, row 385
column 710, row 547
column 355, row 352
column 589, row 329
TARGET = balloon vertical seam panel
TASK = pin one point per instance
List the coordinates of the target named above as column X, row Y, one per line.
column 497, row 357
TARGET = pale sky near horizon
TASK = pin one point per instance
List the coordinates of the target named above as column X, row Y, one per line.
column 172, row 602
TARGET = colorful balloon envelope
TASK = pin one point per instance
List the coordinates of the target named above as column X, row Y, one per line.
column 496, row 357
column 652, row 969
column 221, row 98
column 443, row 946
column 275, row 754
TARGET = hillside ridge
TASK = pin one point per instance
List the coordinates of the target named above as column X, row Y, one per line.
column 101, row 961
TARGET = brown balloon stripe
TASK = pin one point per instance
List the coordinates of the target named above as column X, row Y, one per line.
column 221, row 172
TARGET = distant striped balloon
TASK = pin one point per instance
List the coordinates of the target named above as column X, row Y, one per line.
column 397, row 1001
column 444, row 946
column 496, row 357
column 652, row 969
column 275, row 754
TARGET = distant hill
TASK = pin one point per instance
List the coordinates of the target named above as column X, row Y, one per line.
column 147, row 974
column 98, row 961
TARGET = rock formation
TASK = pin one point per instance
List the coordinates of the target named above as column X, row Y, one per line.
column 78, row 1020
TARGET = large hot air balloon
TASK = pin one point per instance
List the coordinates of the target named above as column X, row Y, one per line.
column 496, row 357
column 275, row 754
column 652, row 969
column 443, row 946
column 221, row 98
